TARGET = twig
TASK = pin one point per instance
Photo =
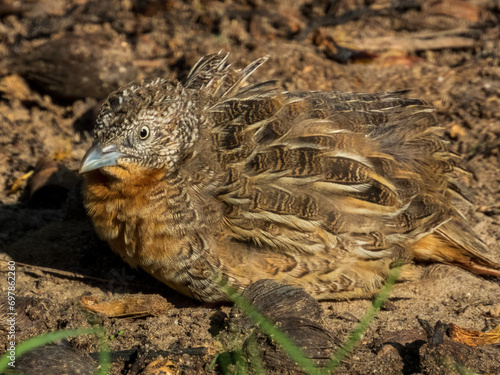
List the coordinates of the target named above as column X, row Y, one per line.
column 74, row 275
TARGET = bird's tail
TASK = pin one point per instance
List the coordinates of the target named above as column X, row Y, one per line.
column 454, row 243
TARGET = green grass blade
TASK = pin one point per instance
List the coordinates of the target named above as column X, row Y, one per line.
column 104, row 356
column 255, row 359
column 271, row 330
column 364, row 322
column 48, row 338
column 296, row 352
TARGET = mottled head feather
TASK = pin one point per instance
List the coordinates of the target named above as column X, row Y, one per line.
column 159, row 107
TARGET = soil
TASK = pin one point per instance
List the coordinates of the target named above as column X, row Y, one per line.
column 445, row 52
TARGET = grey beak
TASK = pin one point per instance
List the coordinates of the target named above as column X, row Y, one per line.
column 98, row 157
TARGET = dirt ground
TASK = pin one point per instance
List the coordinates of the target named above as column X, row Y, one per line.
column 55, row 69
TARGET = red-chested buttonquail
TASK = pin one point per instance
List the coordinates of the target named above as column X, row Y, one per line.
column 212, row 179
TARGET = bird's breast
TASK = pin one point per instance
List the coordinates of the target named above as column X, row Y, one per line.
column 133, row 215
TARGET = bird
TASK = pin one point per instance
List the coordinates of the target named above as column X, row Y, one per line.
column 216, row 180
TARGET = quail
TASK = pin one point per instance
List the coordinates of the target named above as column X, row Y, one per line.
column 215, row 180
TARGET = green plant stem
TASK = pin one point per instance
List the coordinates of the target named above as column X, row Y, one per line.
column 47, row 338
column 272, row 331
column 292, row 349
column 364, row 322
column 255, row 359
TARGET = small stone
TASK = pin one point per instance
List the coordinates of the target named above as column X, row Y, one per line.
column 495, row 311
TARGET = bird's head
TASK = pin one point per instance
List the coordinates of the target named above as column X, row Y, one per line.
column 151, row 124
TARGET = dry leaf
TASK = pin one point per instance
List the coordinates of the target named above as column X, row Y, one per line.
column 20, row 182
column 161, row 367
column 128, row 307
column 474, row 338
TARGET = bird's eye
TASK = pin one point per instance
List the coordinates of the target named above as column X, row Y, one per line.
column 144, row 133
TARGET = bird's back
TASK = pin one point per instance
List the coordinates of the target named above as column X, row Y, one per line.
column 330, row 172
column 306, row 171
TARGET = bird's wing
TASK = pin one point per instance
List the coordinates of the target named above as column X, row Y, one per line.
column 307, row 172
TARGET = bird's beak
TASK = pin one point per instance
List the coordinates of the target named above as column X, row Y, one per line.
column 98, row 157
